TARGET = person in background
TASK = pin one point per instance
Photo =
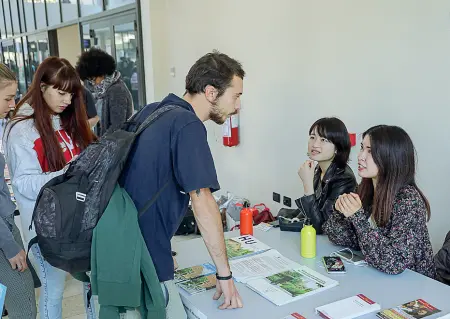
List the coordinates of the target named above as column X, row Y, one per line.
column 172, row 157
column 114, row 103
column 387, row 219
column 89, row 101
column 49, row 128
column 14, row 273
column 442, row 262
column 329, row 147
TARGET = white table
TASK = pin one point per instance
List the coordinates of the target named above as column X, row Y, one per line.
column 387, row 290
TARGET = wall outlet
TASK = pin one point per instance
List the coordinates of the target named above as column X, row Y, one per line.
column 276, row 197
column 287, row 201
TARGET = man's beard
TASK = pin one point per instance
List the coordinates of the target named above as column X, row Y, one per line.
column 217, row 115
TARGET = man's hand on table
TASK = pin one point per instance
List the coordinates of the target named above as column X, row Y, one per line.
column 228, row 289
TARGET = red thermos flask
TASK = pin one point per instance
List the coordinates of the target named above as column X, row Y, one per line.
column 246, row 220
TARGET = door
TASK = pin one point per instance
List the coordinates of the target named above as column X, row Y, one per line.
column 119, row 37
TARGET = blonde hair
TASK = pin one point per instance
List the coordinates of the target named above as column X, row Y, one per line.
column 6, row 76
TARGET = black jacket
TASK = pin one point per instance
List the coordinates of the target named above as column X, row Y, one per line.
column 319, row 206
column 442, row 261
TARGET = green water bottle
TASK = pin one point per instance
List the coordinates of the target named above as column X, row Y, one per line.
column 308, row 240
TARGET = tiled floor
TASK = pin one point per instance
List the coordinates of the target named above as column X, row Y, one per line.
column 73, row 305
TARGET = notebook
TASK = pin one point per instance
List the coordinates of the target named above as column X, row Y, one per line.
column 348, row 308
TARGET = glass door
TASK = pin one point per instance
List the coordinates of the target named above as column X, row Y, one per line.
column 126, row 54
column 99, row 35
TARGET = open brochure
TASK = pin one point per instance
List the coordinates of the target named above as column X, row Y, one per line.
column 244, row 246
column 348, row 308
column 194, row 272
column 416, row 309
column 291, row 285
column 260, row 265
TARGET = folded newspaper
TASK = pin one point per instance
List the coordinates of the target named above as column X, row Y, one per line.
column 291, row 285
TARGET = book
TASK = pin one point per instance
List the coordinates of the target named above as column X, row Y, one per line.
column 194, row 272
column 348, row 308
column 416, row 309
column 198, row 285
column 244, row 246
column 292, row 285
column 2, row 296
column 294, row 315
column 333, row 265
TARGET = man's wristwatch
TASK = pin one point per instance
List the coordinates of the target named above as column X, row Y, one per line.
column 224, row 278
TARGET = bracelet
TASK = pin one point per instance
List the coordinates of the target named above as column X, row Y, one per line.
column 224, row 278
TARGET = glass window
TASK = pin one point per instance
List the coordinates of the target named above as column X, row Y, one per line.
column 53, row 12
column 15, row 16
column 69, row 9
column 39, row 7
column 9, row 57
column 111, row 4
column 2, row 23
column 89, row 7
column 26, row 61
column 126, row 57
column 21, row 15
column 20, row 67
column 100, row 37
column 29, row 15
column 86, row 37
column 38, row 50
column 7, row 13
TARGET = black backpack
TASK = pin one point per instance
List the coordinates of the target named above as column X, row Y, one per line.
column 69, row 206
column 188, row 224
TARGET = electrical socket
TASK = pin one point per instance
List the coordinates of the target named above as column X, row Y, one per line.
column 276, row 197
column 286, row 201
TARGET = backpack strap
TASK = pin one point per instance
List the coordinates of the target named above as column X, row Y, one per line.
column 36, row 280
column 149, row 203
column 154, row 116
column 148, row 121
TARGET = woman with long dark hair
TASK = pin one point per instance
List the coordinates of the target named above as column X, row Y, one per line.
column 329, row 147
column 387, row 218
column 49, row 128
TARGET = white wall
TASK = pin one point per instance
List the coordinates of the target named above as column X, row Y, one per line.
column 155, row 37
column 367, row 62
column 69, row 43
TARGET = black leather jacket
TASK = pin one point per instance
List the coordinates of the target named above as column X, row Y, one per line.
column 442, row 261
column 319, row 206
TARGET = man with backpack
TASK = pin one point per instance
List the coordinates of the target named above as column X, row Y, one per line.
column 171, row 162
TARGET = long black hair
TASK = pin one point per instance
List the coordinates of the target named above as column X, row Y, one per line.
column 334, row 130
column 395, row 156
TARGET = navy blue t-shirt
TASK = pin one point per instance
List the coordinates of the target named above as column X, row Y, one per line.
column 173, row 148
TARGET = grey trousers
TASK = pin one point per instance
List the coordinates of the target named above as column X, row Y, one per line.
column 20, row 299
column 174, row 305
